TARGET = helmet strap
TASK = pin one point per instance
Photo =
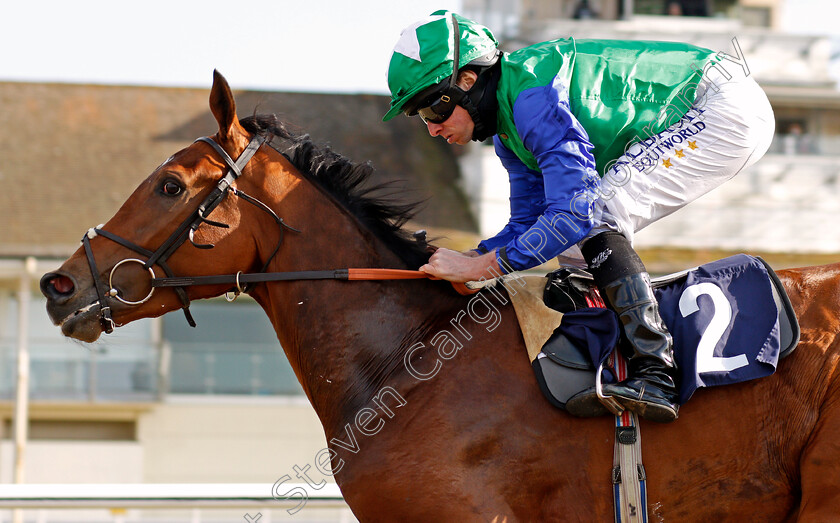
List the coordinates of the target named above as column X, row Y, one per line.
column 456, row 49
column 481, row 102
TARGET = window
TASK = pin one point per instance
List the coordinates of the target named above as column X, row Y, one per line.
column 756, row 16
column 83, row 430
column 792, row 137
column 234, row 350
column 121, row 366
column 684, row 7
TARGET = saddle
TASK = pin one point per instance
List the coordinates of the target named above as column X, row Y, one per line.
column 731, row 321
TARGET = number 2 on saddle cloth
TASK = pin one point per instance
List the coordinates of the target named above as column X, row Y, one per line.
column 731, row 321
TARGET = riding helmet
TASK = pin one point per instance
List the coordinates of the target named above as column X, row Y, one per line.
column 424, row 61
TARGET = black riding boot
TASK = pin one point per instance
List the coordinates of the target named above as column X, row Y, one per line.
column 651, row 389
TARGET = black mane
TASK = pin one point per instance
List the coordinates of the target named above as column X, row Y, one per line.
column 347, row 183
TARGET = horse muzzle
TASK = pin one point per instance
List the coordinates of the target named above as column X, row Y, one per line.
column 75, row 311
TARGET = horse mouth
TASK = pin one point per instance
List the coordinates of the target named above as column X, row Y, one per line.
column 82, row 324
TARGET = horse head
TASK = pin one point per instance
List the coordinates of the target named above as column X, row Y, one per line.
column 165, row 228
column 195, row 216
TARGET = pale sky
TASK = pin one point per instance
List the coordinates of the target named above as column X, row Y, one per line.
column 283, row 45
column 811, row 17
column 289, row 45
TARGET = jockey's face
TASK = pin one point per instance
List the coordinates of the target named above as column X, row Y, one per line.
column 458, row 128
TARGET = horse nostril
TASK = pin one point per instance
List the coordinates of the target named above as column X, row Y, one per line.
column 62, row 284
column 57, row 285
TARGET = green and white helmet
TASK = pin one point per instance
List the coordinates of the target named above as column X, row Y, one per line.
column 424, row 55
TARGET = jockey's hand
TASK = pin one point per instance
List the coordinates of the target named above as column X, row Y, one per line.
column 458, row 267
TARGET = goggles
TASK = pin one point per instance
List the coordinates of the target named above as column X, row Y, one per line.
column 441, row 109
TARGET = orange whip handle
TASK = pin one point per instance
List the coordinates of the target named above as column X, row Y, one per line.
column 401, row 274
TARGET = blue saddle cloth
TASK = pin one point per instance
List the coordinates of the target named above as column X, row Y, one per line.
column 728, row 322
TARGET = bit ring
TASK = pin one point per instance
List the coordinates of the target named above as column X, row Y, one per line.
column 114, row 293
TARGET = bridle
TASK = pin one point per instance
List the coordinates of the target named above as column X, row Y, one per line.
column 186, row 230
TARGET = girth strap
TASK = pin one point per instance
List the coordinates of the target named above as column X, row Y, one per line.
column 628, row 475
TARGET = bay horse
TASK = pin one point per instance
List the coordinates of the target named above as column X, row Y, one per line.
column 433, row 414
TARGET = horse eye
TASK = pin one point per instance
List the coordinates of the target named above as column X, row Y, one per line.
column 171, row 188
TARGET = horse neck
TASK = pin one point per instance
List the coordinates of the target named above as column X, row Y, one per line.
column 343, row 339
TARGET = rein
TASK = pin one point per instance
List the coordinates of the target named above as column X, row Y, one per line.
column 187, row 230
column 240, row 278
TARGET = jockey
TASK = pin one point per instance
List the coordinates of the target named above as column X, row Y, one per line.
column 600, row 138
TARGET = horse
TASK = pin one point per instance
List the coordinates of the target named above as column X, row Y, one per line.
column 426, row 396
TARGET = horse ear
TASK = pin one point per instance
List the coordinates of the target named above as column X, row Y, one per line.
column 223, row 108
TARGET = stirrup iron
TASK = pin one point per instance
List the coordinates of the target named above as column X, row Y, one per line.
column 608, row 401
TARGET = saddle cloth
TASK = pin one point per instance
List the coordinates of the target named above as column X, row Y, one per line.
column 730, row 319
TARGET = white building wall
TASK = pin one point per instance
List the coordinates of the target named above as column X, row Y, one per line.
column 234, row 440
column 213, row 439
column 785, row 203
column 60, row 461
column 782, row 204
column 486, row 185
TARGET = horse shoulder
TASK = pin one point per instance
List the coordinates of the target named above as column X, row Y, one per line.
column 820, row 458
column 814, row 376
